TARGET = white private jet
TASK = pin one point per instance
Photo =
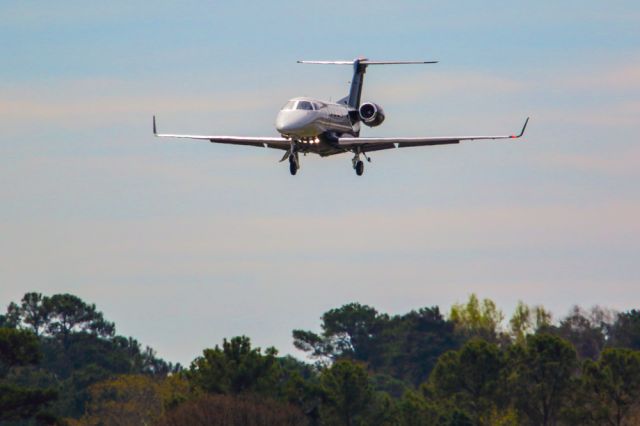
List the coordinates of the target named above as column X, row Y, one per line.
column 326, row 128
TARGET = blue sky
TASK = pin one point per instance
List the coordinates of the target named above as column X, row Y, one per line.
column 184, row 243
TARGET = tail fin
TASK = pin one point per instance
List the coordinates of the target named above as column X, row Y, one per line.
column 359, row 68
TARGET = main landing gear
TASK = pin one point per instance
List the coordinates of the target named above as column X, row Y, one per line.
column 294, row 164
column 358, row 164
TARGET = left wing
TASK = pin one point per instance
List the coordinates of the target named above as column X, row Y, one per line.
column 376, row 144
column 266, row 141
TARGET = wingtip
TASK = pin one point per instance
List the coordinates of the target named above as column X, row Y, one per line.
column 524, row 127
column 155, row 131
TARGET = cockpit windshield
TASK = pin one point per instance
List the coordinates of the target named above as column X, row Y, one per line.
column 304, row 105
column 290, row 105
column 300, row 105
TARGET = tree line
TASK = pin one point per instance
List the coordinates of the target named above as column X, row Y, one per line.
column 61, row 362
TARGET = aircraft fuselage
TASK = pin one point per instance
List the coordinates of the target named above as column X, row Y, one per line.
column 316, row 124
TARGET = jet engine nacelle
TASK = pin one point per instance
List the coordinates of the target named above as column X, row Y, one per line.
column 371, row 114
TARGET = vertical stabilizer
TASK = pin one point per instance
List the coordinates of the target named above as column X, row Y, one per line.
column 355, row 92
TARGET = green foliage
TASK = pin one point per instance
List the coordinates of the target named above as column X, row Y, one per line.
column 528, row 320
column 540, row 381
column 614, row 384
column 18, row 403
column 625, row 331
column 228, row 410
column 20, row 348
column 129, row 399
column 347, row 393
column 75, row 346
column 405, row 347
column 347, row 332
column 416, row 410
column 17, row 347
column 236, row 368
column 59, row 315
column 373, row 369
column 586, row 331
column 412, row 343
column 475, row 318
column 472, row 378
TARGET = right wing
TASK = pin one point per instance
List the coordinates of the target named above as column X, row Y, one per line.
column 367, row 144
column 266, row 141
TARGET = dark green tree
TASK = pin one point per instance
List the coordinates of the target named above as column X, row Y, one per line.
column 78, row 348
column 33, row 312
column 415, row 410
column 68, row 313
column 410, row 344
column 236, row 368
column 471, row 378
column 20, row 348
column 347, row 332
column 405, row 347
column 348, row 393
column 541, row 377
column 614, row 383
column 625, row 330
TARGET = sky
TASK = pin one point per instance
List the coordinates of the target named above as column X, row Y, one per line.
column 182, row 243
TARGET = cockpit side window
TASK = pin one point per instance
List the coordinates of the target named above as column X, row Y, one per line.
column 304, row 105
column 290, row 105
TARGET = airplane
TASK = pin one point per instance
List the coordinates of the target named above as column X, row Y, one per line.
column 308, row 125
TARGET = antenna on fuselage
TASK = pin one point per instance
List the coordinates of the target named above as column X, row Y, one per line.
column 359, row 68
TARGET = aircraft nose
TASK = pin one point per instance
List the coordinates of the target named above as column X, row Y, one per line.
column 290, row 122
column 284, row 123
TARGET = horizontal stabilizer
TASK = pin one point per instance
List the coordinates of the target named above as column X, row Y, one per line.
column 367, row 62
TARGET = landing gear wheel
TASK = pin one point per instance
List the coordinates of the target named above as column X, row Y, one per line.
column 359, row 168
column 293, row 167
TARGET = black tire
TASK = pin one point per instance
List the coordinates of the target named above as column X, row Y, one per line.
column 293, row 169
column 359, row 168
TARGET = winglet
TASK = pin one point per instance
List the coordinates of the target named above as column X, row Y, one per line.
column 522, row 131
column 155, row 131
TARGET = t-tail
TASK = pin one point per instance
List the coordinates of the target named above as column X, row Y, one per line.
column 359, row 68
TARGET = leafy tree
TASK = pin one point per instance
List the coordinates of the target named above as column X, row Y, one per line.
column 413, row 342
column 540, row 379
column 20, row 348
column 587, row 332
column 33, row 312
column 614, row 380
column 59, row 316
column 126, row 399
column 77, row 349
column 625, row 330
column 475, row 318
column 236, row 368
column 347, row 393
column 347, row 332
column 405, row 347
column 68, row 313
column 471, row 378
column 228, row 410
column 527, row 320
column 18, row 403
column 416, row 410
